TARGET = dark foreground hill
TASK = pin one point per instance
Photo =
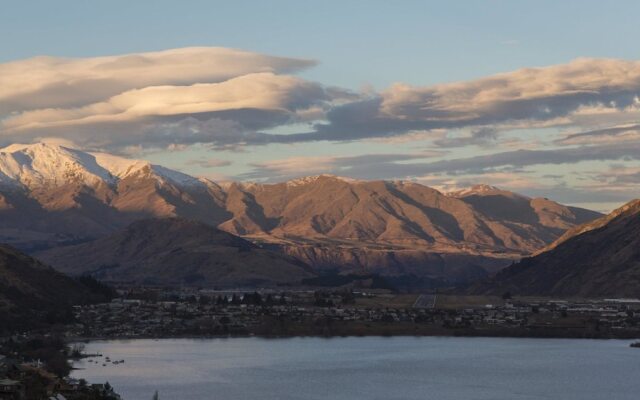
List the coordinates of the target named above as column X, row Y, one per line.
column 173, row 251
column 601, row 258
column 33, row 294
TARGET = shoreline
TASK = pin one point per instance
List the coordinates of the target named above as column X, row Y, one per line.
column 78, row 339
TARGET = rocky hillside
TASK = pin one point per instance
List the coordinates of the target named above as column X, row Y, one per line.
column 598, row 259
column 174, row 251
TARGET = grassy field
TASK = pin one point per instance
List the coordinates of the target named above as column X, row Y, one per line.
column 388, row 301
column 451, row 302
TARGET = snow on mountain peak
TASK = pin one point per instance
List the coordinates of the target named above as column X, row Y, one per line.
column 310, row 179
column 45, row 164
column 475, row 190
column 41, row 163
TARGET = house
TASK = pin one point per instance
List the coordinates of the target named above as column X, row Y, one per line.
column 10, row 389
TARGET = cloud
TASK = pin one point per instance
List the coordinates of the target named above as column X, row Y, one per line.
column 518, row 158
column 293, row 167
column 625, row 133
column 136, row 102
column 52, row 82
column 530, row 97
column 230, row 98
column 398, row 166
column 209, row 163
column 262, row 91
column 479, row 137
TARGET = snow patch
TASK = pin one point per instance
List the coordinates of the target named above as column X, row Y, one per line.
column 39, row 164
column 311, row 179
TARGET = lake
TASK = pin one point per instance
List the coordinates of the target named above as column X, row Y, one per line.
column 368, row 368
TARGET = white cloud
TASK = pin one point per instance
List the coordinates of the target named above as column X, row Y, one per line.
column 137, row 102
column 228, row 97
column 261, row 91
column 52, row 82
column 359, row 166
column 209, row 163
column 558, row 95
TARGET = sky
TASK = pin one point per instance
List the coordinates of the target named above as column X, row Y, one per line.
column 539, row 97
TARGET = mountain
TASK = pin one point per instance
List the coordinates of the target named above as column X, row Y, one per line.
column 396, row 227
column 51, row 195
column 547, row 218
column 601, row 258
column 172, row 251
column 32, row 293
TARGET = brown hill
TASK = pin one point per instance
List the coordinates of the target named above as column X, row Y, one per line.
column 598, row 259
column 393, row 226
column 173, row 251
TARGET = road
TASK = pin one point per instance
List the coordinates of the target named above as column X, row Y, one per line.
column 425, row 301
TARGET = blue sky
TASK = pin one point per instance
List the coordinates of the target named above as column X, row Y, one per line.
column 356, row 42
column 364, row 47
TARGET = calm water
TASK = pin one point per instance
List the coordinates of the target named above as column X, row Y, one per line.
column 369, row 368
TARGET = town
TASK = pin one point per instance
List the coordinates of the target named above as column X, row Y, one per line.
column 170, row 313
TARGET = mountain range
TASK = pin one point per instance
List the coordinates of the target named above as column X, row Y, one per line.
column 52, row 196
column 600, row 258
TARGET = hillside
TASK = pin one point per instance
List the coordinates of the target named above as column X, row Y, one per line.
column 547, row 217
column 173, row 251
column 33, row 294
column 598, row 259
column 395, row 227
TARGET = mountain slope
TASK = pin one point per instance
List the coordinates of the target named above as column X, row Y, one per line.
column 392, row 226
column 601, row 258
column 172, row 251
column 548, row 218
column 32, row 293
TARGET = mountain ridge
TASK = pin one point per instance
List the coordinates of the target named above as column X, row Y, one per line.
column 49, row 197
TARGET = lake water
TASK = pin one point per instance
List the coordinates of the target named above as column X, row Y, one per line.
column 368, row 368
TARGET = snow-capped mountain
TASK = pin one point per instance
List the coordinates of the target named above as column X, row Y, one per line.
column 480, row 190
column 306, row 180
column 44, row 164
